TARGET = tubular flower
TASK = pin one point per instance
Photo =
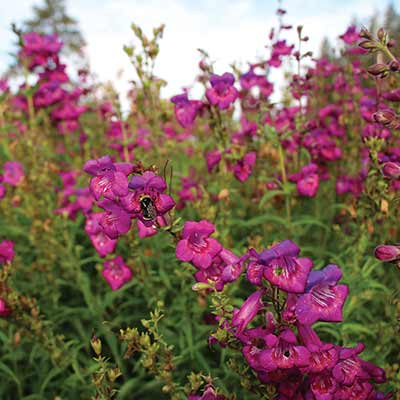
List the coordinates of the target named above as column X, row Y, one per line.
column 116, row 272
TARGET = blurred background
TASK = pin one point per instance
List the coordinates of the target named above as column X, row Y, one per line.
column 228, row 30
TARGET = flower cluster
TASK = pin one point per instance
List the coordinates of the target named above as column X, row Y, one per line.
column 207, row 255
column 277, row 338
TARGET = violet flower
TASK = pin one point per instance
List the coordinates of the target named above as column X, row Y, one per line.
column 185, row 110
column 147, row 201
column 6, row 251
column 13, row 173
column 244, row 167
column 115, row 221
column 196, row 245
column 222, row 92
column 110, row 179
column 283, row 268
column 116, row 272
column 249, row 309
column 323, row 299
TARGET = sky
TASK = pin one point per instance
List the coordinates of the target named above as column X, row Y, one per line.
column 229, row 30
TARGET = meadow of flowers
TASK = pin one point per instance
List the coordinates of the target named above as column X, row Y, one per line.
column 228, row 247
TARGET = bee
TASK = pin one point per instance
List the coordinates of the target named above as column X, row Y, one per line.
column 148, row 208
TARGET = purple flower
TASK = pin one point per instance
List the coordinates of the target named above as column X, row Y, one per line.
column 185, row 110
column 247, row 312
column 222, row 92
column 212, row 158
column 4, row 310
column 283, row 268
column 115, row 221
column 323, row 356
column 196, row 245
column 307, row 180
column 3, row 189
column 323, row 299
column 147, row 201
column 110, row 179
column 283, row 352
column 351, row 35
column 6, row 251
column 387, row 252
column 116, row 272
column 244, row 167
column 13, row 173
column 101, row 242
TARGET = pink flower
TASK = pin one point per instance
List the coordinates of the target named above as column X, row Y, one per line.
column 244, row 167
column 116, row 272
column 13, row 173
column 4, row 310
column 196, row 245
column 222, row 92
column 6, row 251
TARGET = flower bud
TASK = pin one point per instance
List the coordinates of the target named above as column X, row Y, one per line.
column 368, row 45
column 394, row 66
column 387, row 252
column 378, row 69
column 95, row 342
column 113, row 374
column 382, row 35
column 391, row 170
column 384, row 117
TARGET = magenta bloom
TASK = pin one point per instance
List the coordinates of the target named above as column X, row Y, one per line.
column 247, row 312
column 185, row 110
column 222, row 92
column 110, row 179
column 212, row 159
column 196, row 245
column 324, row 299
column 116, row 272
column 307, row 180
column 387, row 252
column 208, row 394
column 147, row 201
column 351, row 35
column 6, row 251
column 4, row 310
column 115, row 221
column 244, row 167
column 101, row 242
column 284, row 269
column 3, row 189
column 13, row 173
column 283, row 352
column 225, row 267
column 323, row 356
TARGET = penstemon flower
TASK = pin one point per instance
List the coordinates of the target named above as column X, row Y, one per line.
column 116, row 272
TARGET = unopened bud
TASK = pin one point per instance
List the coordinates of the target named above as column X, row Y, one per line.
column 95, row 342
column 382, row 35
column 384, row 117
column 378, row 69
column 113, row 374
column 391, row 170
column 394, row 65
column 387, row 252
column 368, row 45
